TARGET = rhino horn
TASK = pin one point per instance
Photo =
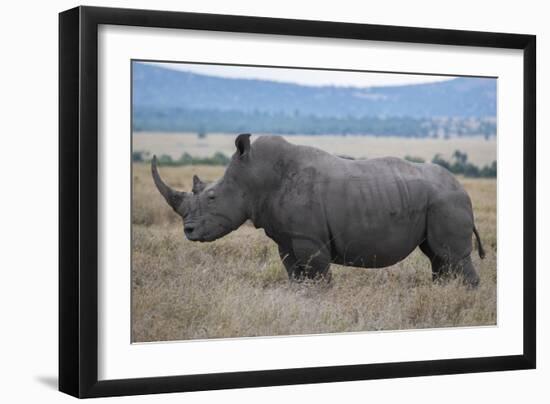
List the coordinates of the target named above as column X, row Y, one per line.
column 174, row 198
column 198, row 185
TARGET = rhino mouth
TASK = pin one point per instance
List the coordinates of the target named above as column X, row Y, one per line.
column 194, row 233
column 199, row 237
column 191, row 231
column 189, row 228
column 207, row 229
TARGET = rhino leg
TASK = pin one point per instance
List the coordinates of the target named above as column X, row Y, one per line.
column 448, row 242
column 289, row 261
column 466, row 268
column 439, row 267
column 306, row 260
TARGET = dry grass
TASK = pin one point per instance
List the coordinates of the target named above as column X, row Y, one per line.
column 480, row 151
column 237, row 286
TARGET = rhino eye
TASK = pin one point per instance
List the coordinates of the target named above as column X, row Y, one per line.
column 211, row 195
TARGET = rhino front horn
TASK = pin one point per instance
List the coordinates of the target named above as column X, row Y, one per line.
column 174, row 198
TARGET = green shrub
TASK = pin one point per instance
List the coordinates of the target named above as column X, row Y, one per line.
column 414, row 159
column 441, row 161
column 461, row 166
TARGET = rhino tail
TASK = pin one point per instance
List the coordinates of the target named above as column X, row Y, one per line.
column 480, row 249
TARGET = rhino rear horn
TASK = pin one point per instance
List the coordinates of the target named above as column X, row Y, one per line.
column 198, row 185
column 174, row 198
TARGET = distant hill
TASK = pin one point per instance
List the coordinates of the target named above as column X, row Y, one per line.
column 169, row 100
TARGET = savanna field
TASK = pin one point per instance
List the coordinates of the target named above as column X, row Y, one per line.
column 237, row 286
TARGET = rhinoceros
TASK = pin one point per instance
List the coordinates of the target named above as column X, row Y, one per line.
column 321, row 209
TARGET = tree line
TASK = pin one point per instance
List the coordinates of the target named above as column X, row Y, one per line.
column 218, row 121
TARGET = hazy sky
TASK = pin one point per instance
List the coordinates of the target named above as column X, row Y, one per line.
column 306, row 77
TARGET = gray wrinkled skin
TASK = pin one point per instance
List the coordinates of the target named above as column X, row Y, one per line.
column 322, row 209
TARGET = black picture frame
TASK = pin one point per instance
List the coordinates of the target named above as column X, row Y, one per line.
column 78, row 201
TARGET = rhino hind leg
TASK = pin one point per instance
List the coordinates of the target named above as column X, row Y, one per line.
column 448, row 242
column 442, row 268
column 466, row 268
column 439, row 267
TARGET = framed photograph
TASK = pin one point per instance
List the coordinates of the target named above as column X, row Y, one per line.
column 251, row 201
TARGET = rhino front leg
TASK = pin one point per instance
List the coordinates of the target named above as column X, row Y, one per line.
column 289, row 261
column 312, row 260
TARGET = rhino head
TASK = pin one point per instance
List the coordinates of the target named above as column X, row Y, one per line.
column 214, row 209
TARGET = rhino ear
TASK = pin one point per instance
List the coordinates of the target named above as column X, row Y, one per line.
column 243, row 144
column 198, row 185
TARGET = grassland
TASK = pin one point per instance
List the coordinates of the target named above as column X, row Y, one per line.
column 237, row 286
column 480, row 151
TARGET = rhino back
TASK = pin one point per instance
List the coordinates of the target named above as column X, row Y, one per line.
column 369, row 212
